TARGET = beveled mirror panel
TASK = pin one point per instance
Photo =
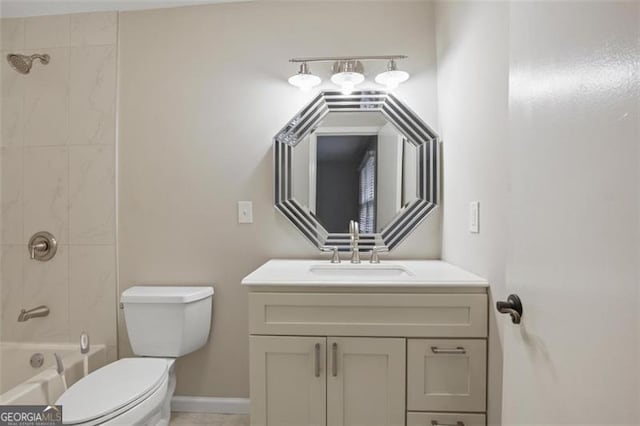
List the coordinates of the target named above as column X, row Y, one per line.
column 364, row 157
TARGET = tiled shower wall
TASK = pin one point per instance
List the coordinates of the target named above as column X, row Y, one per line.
column 58, row 175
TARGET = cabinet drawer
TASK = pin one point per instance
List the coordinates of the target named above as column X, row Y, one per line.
column 446, row 375
column 348, row 314
column 445, row 419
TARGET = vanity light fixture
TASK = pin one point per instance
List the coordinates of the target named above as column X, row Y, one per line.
column 392, row 77
column 304, row 80
column 348, row 72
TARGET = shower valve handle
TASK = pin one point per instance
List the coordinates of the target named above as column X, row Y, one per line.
column 42, row 246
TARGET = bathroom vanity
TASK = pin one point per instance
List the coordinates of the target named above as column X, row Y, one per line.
column 367, row 344
column 397, row 343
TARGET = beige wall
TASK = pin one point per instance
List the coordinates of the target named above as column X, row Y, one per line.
column 473, row 113
column 202, row 92
column 58, row 175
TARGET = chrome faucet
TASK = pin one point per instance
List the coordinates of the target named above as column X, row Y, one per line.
column 39, row 311
column 354, row 230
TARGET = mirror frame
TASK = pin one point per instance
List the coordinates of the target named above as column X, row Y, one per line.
column 408, row 123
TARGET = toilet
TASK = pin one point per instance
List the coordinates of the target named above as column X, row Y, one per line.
column 163, row 324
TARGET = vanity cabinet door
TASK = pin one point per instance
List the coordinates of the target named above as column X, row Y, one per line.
column 446, row 375
column 365, row 381
column 288, row 381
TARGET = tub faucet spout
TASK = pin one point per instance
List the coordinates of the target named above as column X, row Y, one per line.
column 39, row 311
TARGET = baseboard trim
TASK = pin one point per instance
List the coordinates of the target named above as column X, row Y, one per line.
column 205, row 404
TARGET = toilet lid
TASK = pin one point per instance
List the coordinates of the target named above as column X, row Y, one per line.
column 111, row 387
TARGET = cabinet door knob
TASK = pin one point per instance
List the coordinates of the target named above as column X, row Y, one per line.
column 513, row 307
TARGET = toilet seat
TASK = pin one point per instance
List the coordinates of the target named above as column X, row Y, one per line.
column 114, row 389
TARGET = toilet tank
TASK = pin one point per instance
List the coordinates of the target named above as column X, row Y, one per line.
column 165, row 321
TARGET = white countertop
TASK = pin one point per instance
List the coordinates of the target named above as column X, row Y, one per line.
column 389, row 273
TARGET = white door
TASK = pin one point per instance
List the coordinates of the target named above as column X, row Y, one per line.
column 366, row 381
column 288, row 381
column 573, row 255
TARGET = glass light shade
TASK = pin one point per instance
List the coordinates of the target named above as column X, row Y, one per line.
column 347, row 80
column 304, row 81
column 392, row 78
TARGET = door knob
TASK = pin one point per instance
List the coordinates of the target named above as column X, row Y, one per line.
column 513, row 307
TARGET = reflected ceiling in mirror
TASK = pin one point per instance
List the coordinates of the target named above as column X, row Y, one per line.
column 365, row 157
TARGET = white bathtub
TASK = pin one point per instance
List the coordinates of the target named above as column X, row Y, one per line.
column 20, row 383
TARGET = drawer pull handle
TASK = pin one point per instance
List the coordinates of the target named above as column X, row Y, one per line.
column 436, row 423
column 317, row 360
column 458, row 350
column 334, row 359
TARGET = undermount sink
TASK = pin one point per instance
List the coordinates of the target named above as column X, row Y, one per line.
column 360, row 270
column 315, row 273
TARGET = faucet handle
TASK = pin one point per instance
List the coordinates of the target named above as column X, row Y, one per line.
column 335, row 258
column 374, row 253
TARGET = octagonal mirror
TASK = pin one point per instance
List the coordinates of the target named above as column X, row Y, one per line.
column 365, row 157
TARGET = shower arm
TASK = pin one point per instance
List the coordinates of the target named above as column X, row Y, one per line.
column 44, row 58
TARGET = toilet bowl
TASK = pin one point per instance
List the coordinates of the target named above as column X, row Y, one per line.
column 163, row 323
column 127, row 392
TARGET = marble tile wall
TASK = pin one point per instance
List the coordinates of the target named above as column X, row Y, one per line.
column 57, row 173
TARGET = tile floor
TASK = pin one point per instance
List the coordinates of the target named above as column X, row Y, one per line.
column 189, row 419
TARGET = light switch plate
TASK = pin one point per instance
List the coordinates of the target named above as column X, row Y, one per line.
column 474, row 217
column 245, row 212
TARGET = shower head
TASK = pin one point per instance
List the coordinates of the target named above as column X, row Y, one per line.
column 23, row 63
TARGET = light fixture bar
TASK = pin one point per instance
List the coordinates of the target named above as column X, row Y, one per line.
column 347, row 58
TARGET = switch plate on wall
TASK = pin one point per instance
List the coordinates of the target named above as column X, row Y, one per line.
column 245, row 212
column 474, row 217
